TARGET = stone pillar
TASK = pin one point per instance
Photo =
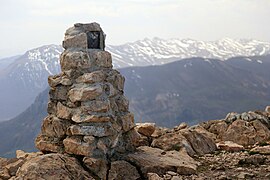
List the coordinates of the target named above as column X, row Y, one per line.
column 88, row 114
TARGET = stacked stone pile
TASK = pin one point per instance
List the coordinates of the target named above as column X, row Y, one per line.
column 88, row 114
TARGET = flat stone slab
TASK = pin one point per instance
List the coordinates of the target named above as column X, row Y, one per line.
column 261, row 150
column 230, row 146
column 154, row 160
column 98, row 130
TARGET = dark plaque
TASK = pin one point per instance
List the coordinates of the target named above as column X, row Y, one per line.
column 93, row 40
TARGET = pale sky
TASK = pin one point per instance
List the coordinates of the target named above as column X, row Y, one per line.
column 27, row 24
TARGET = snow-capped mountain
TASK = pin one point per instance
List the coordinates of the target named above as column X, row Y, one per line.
column 35, row 65
column 158, row 51
column 27, row 76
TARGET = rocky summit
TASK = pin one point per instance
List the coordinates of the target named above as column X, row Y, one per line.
column 89, row 132
column 182, row 153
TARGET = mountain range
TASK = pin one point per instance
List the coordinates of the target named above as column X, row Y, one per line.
column 197, row 89
column 189, row 90
column 26, row 76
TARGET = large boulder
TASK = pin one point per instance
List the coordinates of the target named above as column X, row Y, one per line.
column 230, row 146
column 246, row 133
column 121, row 170
column 154, row 160
column 146, row 129
column 199, row 139
column 244, row 129
column 52, row 166
column 195, row 140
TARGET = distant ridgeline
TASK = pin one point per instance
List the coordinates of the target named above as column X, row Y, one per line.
column 30, row 71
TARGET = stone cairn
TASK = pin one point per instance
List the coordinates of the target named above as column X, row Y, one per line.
column 88, row 114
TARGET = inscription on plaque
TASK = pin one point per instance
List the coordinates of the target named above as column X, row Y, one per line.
column 93, row 40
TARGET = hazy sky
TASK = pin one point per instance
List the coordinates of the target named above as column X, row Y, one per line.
column 28, row 24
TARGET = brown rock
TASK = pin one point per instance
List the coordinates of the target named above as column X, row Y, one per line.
column 14, row 166
column 230, row 117
column 63, row 111
column 96, row 129
column 229, row 146
column 127, row 121
column 255, row 159
column 52, row 166
column 82, row 118
column 122, row 103
column 104, row 144
column 159, row 132
column 194, row 140
column 89, row 139
column 4, row 174
column 52, row 106
column 54, row 127
column 75, row 145
column 21, row 154
column 79, row 28
column 153, row 176
column 262, row 132
column 3, row 161
column 267, row 109
column 146, row 129
column 122, row 170
column 173, row 141
column 59, row 79
column 153, row 160
column 245, row 175
column 199, row 140
column 144, row 141
column 182, row 126
column 102, row 59
column 25, row 155
column 75, row 60
column 171, row 173
column 176, row 178
column 59, row 93
column 98, row 166
column 85, row 60
column 49, row 144
column 110, row 90
column 93, row 77
column 85, row 93
column 261, row 150
column 54, row 80
column 249, row 134
column 131, row 139
column 203, row 131
column 218, row 128
column 77, row 41
column 116, row 79
column 96, row 106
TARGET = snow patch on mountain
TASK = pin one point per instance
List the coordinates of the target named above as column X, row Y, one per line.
column 153, row 52
column 35, row 65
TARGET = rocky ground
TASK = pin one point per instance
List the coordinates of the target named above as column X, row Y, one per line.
column 237, row 165
column 237, row 147
column 224, row 165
